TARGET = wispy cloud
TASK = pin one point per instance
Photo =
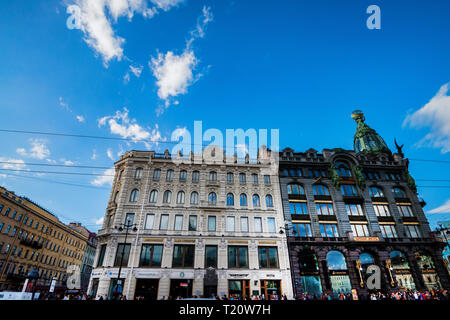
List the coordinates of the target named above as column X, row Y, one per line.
column 80, row 119
column 106, row 179
column 133, row 70
column 445, row 208
column 94, row 155
column 110, row 154
column 38, row 150
column 436, row 116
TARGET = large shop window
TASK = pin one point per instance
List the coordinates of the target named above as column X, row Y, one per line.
column 340, row 281
column 183, row 256
column 402, row 272
column 427, row 267
column 151, row 255
column 237, row 257
column 309, row 273
column 268, row 257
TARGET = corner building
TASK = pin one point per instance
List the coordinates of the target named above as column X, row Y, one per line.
column 349, row 209
column 201, row 229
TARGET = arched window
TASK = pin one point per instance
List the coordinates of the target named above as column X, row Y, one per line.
column 180, row 197
column 212, row 198
column 183, row 175
column 366, row 260
column 243, row 199
column 138, row 173
column 376, row 192
column 294, row 188
column 167, row 197
column 343, row 169
column 230, row 199
column 399, row 192
column 194, row 197
column 269, row 201
column 115, row 197
column 156, row 174
column 256, row 201
column 195, row 176
column 336, row 261
column 320, row 190
column 153, row 196
column 213, row 176
column 169, row 175
column 134, row 196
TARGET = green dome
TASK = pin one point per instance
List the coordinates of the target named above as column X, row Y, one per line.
column 367, row 139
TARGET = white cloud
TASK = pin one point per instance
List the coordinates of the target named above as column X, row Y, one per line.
column 80, row 119
column 435, row 115
column 100, row 221
column 110, row 154
column 166, row 4
column 445, row 208
column 38, row 150
column 134, row 70
column 15, row 164
column 106, row 178
column 94, row 155
column 64, row 104
column 68, row 162
column 175, row 73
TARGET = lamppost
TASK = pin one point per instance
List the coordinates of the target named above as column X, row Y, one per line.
column 127, row 226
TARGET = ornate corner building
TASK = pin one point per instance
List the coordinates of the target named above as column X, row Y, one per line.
column 349, row 212
column 192, row 228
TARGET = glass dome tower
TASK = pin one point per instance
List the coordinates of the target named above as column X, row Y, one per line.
column 367, row 139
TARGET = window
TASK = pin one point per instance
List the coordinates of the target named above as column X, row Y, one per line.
column 138, row 173
column 268, row 257
column 243, row 200
column 328, row 230
column 242, row 178
column 302, row 229
column 149, row 221
column 266, row 179
column 169, row 175
column 325, row 209
column 349, row 190
column 230, row 224
column 178, row 222
column 195, row 176
column 180, row 197
column 237, row 257
column 183, row 256
column 212, row 198
column 320, row 190
column 412, row 231
column 211, row 223
column 153, row 196
column 382, row 210
column 134, row 196
column 406, row 211
column 122, row 255
column 271, row 225
column 244, row 224
column 258, row 225
column 213, row 176
column 298, row 207
column 116, row 195
column 194, row 197
column 295, row 188
column 254, row 178
column 101, row 255
column 151, row 255
column 7, row 212
column 129, row 219
column 164, row 224
column 388, row 231
column 230, row 177
column 211, row 256
column 256, row 201
column 167, row 197
column 360, row 230
column 192, row 223
column 343, row 169
column 399, row 193
column 183, row 175
column 354, row 210
column 230, row 199
column 269, row 201
column 156, row 174
column 376, row 192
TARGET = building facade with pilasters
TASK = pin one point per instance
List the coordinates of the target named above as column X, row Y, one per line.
column 200, row 228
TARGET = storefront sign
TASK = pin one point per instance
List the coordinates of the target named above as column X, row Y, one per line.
column 238, row 275
column 366, row 239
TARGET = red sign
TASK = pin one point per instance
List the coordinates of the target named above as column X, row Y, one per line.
column 183, row 284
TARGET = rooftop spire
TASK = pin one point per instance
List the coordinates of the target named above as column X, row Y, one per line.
column 367, row 139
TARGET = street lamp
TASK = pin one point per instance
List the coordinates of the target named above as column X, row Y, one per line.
column 127, row 226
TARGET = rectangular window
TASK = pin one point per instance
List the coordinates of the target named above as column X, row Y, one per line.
column 302, row 229
column 268, row 257
column 230, row 177
column 271, row 225
column 183, row 175
column 258, row 225
column 156, row 174
column 360, row 230
column 149, row 221
column 101, row 255
column 164, row 224
column 183, row 256
column 178, row 222
column 237, row 257
column 325, row 209
column 266, row 179
column 255, row 178
column 151, row 255
column 349, row 190
column 354, row 210
column 211, row 256
column 192, row 223
column 412, row 231
column 388, row 231
column 382, row 210
column 129, row 220
column 405, row 211
column 244, row 224
column 211, row 223
column 328, row 230
column 122, row 254
column 230, row 224
column 195, row 176
column 242, row 178
column 298, row 207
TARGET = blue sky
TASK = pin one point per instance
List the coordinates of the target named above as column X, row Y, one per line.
column 144, row 68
